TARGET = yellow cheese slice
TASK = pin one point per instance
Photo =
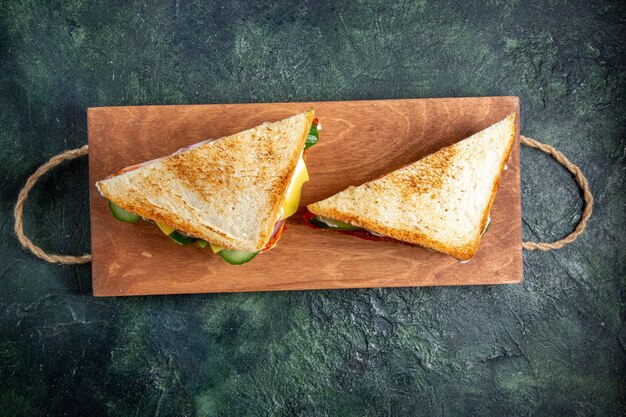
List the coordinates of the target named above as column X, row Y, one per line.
column 215, row 248
column 165, row 228
column 294, row 191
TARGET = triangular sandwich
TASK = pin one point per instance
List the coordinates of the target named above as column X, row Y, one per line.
column 441, row 202
column 233, row 192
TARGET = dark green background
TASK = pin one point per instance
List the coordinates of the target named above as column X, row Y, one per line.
column 555, row 345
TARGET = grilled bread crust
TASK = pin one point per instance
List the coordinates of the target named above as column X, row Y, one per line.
column 228, row 191
column 441, row 202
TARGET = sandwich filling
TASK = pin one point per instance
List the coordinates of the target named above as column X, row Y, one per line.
column 289, row 206
column 321, row 222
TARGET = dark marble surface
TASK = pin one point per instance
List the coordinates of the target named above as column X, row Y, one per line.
column 554, row 345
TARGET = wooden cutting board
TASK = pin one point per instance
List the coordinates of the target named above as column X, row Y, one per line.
column 359, row 141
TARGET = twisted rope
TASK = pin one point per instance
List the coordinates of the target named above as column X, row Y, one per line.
column 23, row 196
column 582, row 183
column 76, row 153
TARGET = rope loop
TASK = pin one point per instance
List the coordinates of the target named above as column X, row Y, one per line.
column 18, row 211
column 582, row 183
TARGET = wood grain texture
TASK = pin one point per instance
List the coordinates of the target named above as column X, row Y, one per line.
column 360, row 140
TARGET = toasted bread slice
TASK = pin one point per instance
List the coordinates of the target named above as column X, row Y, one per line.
column 441, row 202
column 228, row 191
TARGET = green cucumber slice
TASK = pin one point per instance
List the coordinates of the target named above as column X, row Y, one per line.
column 121, row 214
column 181, row 239
column 203, row 243
column 315, row 221
column 312, row 138
column 235, row 257
column 337, row 224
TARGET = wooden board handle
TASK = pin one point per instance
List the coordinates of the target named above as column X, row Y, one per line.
column 76, row 153
column 582, row 183
column 23, row 196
